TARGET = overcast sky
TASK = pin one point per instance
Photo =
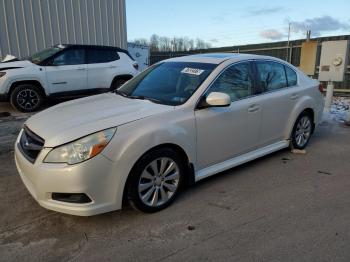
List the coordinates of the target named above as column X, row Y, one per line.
column 225, row 22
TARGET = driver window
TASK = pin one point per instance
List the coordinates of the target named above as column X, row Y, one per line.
column 236, row 81
column 70, row 57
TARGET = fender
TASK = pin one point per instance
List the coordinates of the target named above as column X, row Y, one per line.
column 136, row 138
column 27, row 78
column 303, row 103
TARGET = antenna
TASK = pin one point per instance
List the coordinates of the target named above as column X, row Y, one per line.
column 289, row 24
column 308, row 35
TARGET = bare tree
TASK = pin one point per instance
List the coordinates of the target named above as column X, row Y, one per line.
column 154, row 43
column 174, row 44
column 141, row 41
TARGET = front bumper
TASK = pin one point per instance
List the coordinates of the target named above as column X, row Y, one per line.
column 96, row 178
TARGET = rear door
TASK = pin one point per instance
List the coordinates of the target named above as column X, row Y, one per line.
column 277, row 99
column 102, row 67
column 67, row 72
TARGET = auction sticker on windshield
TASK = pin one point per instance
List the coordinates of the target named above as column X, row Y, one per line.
column 192, row 71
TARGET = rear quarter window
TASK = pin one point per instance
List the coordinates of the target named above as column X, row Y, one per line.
column 291, row 76
column 96, row 56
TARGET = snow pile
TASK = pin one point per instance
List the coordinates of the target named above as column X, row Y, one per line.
column 340, row 107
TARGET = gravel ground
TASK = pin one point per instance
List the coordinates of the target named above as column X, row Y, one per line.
column 283, row 207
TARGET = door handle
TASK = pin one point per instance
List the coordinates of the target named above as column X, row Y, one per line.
column 112, row 66
column 81, row 68
column 294, row 96
column 253, row 108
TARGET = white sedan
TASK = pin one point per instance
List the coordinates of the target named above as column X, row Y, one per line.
column 177, row 122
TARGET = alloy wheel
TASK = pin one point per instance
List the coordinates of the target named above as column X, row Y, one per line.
column 303, row 131
column 158, row 182
column 28, row 99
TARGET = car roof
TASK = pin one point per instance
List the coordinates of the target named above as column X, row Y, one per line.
column 92, row 46
column 217, row 58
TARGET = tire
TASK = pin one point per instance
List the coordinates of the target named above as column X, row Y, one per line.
column 117, row 82
column 26, row 98
column 148, row 192
column 302, row 131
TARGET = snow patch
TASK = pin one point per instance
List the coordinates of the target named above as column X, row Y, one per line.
column 340, row 108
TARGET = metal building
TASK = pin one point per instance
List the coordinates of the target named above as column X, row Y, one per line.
column 28, row 26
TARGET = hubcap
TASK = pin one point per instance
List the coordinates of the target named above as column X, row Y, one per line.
column 303, row 131
column 27, row 99
column 158, row 182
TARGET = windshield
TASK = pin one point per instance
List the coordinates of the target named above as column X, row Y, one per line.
column 170, row 83
column 44, row 54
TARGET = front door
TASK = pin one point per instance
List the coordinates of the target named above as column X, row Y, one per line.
column 226, row 132
column 67, row 72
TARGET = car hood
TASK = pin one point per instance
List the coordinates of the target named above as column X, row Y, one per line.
column 74, row 119
column 15, row 64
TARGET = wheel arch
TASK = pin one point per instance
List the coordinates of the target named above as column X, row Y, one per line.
column 189, row 175
column 31, row 82
column 309, row 110
column 123, row 77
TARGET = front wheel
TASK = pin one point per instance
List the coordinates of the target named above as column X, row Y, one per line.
column 155, row 180
column 302, row 131
column 26, row 98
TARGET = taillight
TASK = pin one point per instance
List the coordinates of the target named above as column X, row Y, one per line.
column 136, row 66
column 320, row 87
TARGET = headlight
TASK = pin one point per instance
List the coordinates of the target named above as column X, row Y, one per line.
column 81, row 149
column 2, row 74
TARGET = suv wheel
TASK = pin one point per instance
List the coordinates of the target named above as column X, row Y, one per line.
column 26, row 98
column 155, row 180
column 302, row 131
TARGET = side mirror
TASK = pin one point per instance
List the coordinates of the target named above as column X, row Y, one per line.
column 218, row 99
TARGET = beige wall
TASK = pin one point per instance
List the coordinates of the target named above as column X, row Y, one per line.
column 308, row 57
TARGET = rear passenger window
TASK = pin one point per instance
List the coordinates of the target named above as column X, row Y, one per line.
column 102, row 56
column 236, row 81
column 272, row 76
column 291, row 76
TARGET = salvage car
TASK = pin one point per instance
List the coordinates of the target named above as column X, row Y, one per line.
column 178, row 122
column 64, row 71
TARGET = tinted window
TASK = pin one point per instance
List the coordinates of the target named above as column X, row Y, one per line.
column 70, row 57
column 102, row 56
column 236, row 81
column 291, row 77
column 170, row 83
column 272, row 76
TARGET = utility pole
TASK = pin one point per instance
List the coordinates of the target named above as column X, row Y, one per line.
column 289, row 24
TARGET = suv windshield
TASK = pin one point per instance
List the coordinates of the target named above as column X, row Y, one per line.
column 170, row 83
column 44, row 54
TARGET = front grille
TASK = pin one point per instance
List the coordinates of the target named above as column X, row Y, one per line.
column 30, row 144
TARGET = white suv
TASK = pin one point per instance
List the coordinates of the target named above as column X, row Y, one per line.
column 64, row 70
column 180, row 120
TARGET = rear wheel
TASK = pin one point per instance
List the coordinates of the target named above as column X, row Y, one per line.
column 26, row 98
column 155, row 180
column 302, row 131
column 117, row 82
